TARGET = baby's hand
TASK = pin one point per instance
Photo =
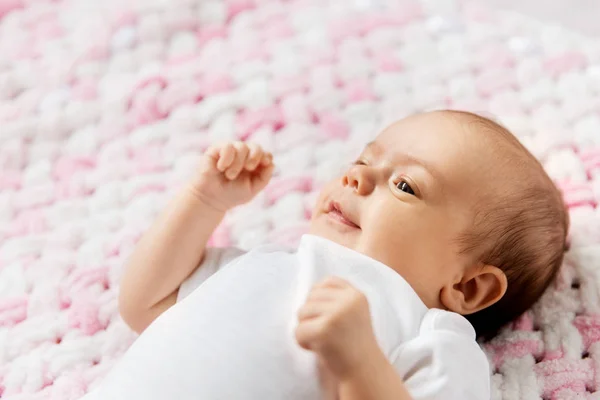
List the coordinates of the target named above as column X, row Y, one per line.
column 335, row 323
column 232, row 174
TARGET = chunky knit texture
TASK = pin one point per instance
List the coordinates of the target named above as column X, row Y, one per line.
column 105, row 107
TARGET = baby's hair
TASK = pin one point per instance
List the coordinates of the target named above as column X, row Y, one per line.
column 520, row 229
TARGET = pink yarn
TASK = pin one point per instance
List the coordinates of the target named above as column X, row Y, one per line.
column 277, row 29
column 524, row 323
column 573, row 374
column 49, row 30
column 69, row 388
column 516, row 349
column 577, row 195
column 249, row 54
column 81, row 280
column 28, row 222
column 83, row 315
column 388, row 63
column 13, row 311
column 66, row 167
column 236, row 7
column 156, row 80
column 183, row 22
column 208, row 33
column 125, row 18
column 589, row 327
column 321, row 57
column 563, row 63
column 495, row 80
column 344, row 29
column 74, row 188
column 97, row 52
column 84, row 90
column 10, row 180
column 215, row 83
column 358, row 91
column 390, row 19
column 144, row 105
column 150, row 188
column 495, row 57
column 283, row 85
column 557, row 354
column 176, row 95
column 250, row 120
column 7, row 6
column 334, row 126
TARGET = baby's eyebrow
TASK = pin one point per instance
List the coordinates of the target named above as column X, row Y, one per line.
column 431, row 169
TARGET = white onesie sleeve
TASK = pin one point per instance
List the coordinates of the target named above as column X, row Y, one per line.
column 444, row 362
column 214, row 259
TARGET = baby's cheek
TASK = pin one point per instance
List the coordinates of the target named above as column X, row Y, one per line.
column 405, row 243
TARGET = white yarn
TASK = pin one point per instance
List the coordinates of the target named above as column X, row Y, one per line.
column 38, row 172
column 244, row 72
column 585, row 131
column 295, row 108
column 212, row 12
column 12, row 281
column 223, row 128
column 182, row 43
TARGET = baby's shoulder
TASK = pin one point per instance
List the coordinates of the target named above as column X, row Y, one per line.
column 440, row 321
column 444, row 361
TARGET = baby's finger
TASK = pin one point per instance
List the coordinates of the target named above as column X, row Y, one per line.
column 321, row 294
column 261, row 180
column 267, row 159
column 266, row 174
column 213, row 152
column 211, row 158
column 226, row 157
column 332, row 282
column 310, row 310
column 237, row 165
column 308, row 332
column 254, row 157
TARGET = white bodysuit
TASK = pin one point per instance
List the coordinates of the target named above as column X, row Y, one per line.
column 231, row 334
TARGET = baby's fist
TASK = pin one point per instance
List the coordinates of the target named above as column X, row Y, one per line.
column 335, row 323
column 234, row 158
column 232, row 174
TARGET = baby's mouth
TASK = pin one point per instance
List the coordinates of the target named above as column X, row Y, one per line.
column 336, row 212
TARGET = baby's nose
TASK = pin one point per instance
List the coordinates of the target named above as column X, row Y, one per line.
column 357, row 178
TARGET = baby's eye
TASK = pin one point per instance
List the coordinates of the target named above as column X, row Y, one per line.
column 405, row 187
column 359, row 162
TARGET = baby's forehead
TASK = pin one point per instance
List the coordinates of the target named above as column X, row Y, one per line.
column 465, row 147
column 473, row 136
column 434, row 134
column 445, row 122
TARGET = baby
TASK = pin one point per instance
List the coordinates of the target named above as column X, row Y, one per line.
column 444, row 229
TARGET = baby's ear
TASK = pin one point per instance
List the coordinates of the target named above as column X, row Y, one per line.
column 479, row 288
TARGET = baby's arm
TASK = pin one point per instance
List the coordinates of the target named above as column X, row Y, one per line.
column 378, row 380
column 165, row 256
column 174, row 246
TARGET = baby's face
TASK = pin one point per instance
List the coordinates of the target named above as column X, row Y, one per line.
column 407, row 198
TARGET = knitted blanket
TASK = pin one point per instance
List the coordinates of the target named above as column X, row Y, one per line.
column 105, row 107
